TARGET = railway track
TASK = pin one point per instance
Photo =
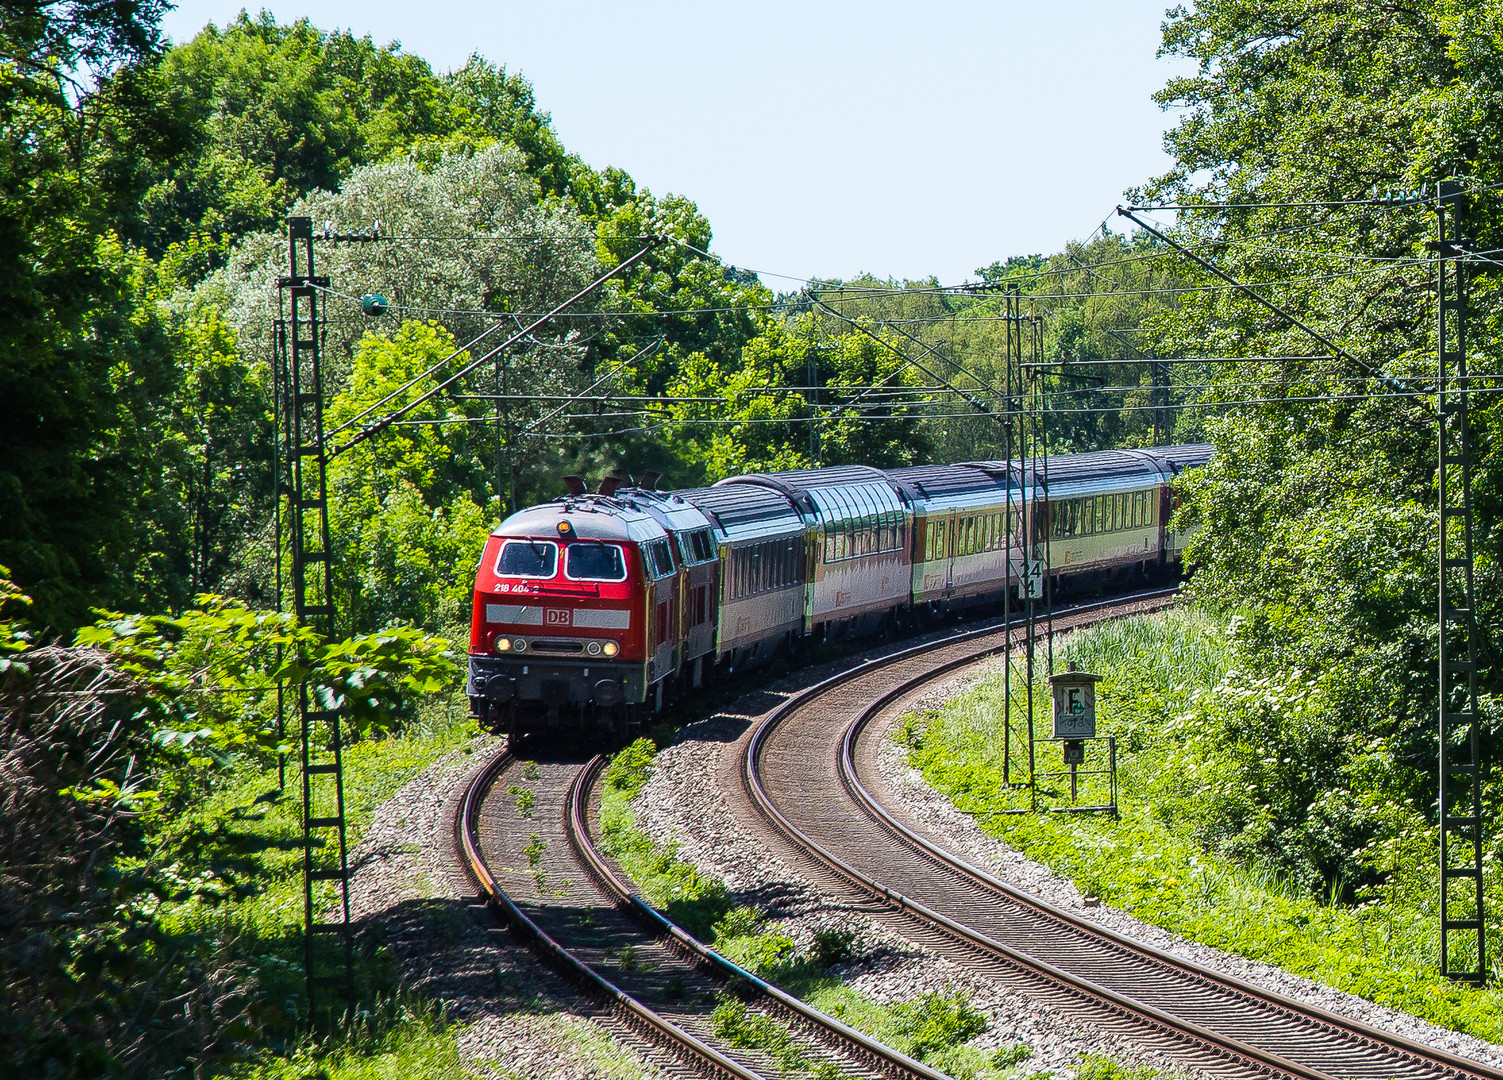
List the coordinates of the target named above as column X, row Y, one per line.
column 522, row 829
column 810, row 770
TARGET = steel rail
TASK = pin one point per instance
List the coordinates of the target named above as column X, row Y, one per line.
column 632, row 1010
column 577, row 826
column 1219, row 1043
column 1288, row 1006
column 1065, row 979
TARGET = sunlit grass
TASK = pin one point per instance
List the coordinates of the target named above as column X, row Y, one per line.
column 1150, row 861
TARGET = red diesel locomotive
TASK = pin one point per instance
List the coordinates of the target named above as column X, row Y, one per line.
column 597, row 608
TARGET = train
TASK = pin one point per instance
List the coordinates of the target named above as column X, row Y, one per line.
column 595, row 610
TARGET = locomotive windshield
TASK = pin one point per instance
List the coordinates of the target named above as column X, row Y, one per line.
column 528, row 558
column 594, row 562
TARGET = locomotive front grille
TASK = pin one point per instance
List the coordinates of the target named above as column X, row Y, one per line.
column 558, row 646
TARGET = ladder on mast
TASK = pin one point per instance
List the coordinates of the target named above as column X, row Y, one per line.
column 328, row 946
column 1462, row 924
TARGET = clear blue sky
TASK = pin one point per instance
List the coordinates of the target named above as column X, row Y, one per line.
column 824, row 138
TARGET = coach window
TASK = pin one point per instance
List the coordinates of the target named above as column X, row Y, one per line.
column 860, row 520
column 528, row 558
column 854, row 522
column 603, row 562
column 835, row 526
column 868, row 520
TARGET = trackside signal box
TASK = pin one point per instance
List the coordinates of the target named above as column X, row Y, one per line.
column 1074, row 704
column 1074, row 726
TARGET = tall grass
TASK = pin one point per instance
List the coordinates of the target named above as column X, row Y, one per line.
column 1155, row 861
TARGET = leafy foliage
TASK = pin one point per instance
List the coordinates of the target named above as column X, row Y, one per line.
column 210, row 677
column 1318, row 513
column 1248, row 821
column 761, row 425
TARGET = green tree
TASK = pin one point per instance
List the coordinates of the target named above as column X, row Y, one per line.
column 1318, row 514
column 757, row 423
column 406, row 506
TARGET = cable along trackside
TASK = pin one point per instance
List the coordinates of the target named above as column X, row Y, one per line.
column 802, row 769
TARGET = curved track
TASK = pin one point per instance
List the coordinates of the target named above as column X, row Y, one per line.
column 810, row 772
column 534, row 859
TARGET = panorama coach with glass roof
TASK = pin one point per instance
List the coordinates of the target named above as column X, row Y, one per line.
column 598, row 608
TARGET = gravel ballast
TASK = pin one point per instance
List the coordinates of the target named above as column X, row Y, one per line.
column 959, row 833
column 517, row 1018
column 685, row 804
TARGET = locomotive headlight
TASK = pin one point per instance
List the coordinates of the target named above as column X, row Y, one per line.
column 503, row 644
column 520, row 644
column 593, row 648
column 611, row 648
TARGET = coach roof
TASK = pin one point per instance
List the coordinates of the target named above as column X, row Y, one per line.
column 741, row 508
column 794, row 482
